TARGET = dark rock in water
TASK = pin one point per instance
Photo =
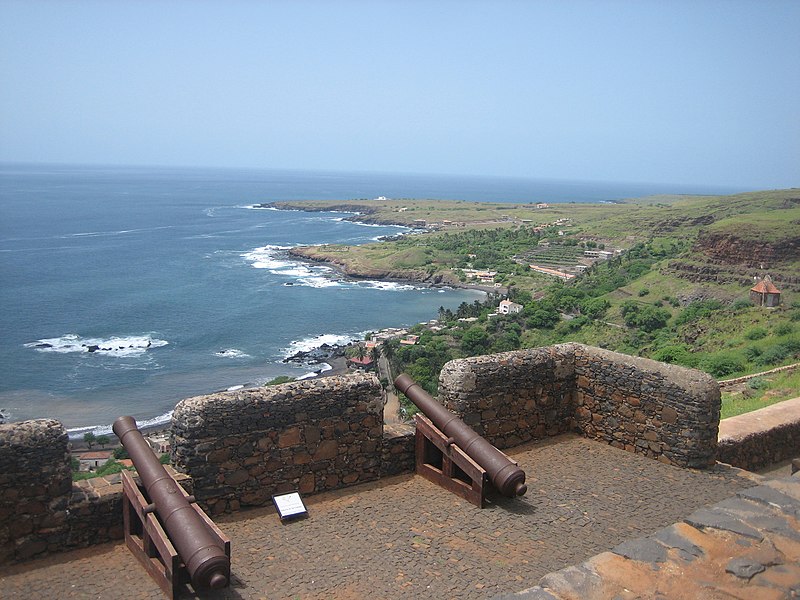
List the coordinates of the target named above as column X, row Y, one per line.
column 92, row 348
column 316, row 356
column 44, row 345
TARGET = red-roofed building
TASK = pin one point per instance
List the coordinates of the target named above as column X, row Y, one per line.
column 360, row 363
column 764, row 293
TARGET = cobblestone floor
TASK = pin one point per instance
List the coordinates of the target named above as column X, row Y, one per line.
column 405, row 537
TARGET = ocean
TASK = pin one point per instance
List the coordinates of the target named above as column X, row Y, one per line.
column 125, row 290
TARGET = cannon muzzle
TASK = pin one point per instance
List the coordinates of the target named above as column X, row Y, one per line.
column 506, row 477
column 205, row 560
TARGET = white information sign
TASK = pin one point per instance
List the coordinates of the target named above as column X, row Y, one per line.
column 290, row 505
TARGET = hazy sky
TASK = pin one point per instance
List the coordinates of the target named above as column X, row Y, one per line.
column 673, row 92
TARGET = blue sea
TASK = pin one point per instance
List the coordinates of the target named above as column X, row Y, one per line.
column 124, row 290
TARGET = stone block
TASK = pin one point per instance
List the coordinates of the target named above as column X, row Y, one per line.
column 326, row 450
column 290, row 437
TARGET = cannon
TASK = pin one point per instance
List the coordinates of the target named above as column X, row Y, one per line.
column 504, row 474
column 207, row 563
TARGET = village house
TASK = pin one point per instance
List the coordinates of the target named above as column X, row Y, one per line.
column 507, row 307
column 410, row 340
column 361, row 363
column 90, row 461
column 159, row 442
column 764, row 293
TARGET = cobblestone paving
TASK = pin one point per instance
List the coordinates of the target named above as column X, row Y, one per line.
column 406, row 537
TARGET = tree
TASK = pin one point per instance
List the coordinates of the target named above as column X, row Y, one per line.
column 594, row 308
column 475, row 341
column 103, row 440
column 90, row 439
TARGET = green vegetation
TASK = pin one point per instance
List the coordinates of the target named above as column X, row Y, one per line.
column 678, row 292
column 109, row 468
column 760, row 392
column 279, row 380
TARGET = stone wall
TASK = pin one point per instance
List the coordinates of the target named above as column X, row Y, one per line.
column 761, row 438
column 513, row 397
column 240, row 448
column 35, row 488
column 665, row 412
column 399, row 451
column 41, row 509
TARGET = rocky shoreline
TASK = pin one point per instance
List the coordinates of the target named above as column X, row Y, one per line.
column 322, row 355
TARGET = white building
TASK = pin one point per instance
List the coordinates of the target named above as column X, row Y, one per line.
column 509, row 308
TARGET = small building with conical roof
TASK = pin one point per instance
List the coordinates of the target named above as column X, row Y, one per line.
column 764, row 293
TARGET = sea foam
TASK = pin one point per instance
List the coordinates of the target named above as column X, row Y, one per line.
column 317, row 341
column 133, row 345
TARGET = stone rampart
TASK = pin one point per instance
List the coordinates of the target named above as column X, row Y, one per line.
column 662, row 411
column 35, row 488
column 240, row 448
column 761, row 438
column 513, row 397
column 665, row 412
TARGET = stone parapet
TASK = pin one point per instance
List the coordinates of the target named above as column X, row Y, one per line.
column 398, row 450
column 42, row 510
column 761, row 438
column 35, row 488
column 662, row 411
column 240, row 448
column 513, row 397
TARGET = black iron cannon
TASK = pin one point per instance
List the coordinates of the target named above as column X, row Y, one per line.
column 506, row 476
column 206, row 562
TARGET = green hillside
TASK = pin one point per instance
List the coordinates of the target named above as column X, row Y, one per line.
column 673, row 285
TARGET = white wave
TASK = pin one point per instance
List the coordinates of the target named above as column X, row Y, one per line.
column 235, row 388
column 318, row 282
column 264, row 257
column 297, row 271
column 256, row 207
column 232, row 353
column 389, row 286
column 317, row 341
column 133, row 345
column 152, row 423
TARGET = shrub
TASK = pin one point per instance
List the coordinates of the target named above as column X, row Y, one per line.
column 772, row 355
column 698, row 309
column 741, row 303
column 677, row 354
column 644, row 292
column 758, row 383
column 751, row 353
column 648, row 318
column 594, row 308
column 723, row 364
column 784, row 329
column 756, row 333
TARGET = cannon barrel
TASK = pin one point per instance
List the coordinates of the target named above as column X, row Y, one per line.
column 507, row 477
column 205, row 560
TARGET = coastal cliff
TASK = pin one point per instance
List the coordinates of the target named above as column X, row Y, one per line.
column 359, row 270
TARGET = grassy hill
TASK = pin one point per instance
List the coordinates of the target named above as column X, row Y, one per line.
column 676, row 288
